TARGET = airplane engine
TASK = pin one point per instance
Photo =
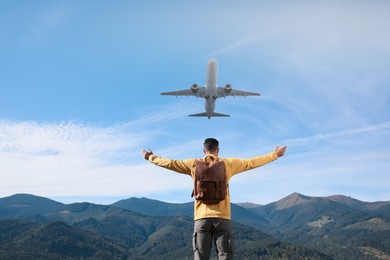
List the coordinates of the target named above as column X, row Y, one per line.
column 228, row 88
column 194, row 88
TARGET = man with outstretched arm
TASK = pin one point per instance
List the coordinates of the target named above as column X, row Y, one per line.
column 212, row 221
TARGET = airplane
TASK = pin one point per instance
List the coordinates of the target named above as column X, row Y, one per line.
column 210, row 92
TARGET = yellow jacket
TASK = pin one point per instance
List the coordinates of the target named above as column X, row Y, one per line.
column 233, row 166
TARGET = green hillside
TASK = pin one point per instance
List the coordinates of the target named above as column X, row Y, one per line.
column 89, row 231
column 295, row 227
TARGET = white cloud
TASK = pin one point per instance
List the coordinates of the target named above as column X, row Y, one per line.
column 76, row 158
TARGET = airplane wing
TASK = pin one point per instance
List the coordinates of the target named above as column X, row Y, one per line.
column 186, row 92
column 235, row 92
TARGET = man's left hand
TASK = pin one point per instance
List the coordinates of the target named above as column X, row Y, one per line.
column 280, row 150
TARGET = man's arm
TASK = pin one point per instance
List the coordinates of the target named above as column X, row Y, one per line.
column 240, row 165
column 180, row 166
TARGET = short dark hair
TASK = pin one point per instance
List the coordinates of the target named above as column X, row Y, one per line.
column 211, row 144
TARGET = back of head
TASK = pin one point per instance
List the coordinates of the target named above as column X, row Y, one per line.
column 210, row 145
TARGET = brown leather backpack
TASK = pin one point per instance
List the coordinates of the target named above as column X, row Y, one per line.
column 210, row 184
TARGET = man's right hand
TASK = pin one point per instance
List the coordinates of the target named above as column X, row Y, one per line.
column 146, row 154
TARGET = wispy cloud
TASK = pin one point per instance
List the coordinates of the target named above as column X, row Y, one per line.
column 70, row 138
column 78, row 158
column 271, row 31
column 348, row 132
column 233, row 46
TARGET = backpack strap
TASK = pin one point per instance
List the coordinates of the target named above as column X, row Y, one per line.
column 196, row 177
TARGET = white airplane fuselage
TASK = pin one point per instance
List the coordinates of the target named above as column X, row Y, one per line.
column 211, row 91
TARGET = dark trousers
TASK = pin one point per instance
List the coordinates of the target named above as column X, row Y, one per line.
column 207, row 229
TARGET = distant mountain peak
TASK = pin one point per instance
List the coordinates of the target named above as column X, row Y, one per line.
column 26, row 200
column 357, row 204
column 26, row 205
column 291, row 200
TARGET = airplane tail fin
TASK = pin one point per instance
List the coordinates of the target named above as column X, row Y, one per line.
column 213, row 115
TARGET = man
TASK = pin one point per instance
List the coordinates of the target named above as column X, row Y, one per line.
column 213, row 220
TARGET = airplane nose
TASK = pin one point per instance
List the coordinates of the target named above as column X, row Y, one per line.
column 212, row 65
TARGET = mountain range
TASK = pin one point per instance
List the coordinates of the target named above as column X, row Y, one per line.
column 295, row 227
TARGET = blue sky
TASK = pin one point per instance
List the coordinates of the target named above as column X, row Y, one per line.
column 80, row 96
